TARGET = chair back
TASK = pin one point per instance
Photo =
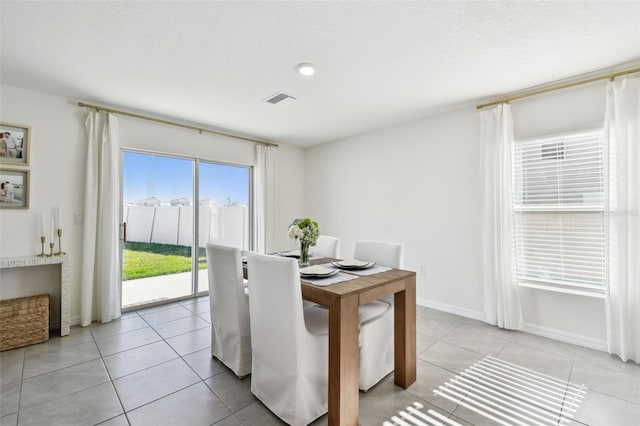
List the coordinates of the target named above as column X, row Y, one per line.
column 230, row 334
column 382, row 252
column 277, row 319
column 327, row 246
column 377, row 336
column 290, row 364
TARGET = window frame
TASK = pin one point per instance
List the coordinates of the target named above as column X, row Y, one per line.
column 562, row 208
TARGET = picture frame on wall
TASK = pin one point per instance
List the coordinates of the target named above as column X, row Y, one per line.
column 14, row 188
column 15, row 144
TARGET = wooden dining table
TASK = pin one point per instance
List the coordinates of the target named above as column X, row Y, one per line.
column 343, row 299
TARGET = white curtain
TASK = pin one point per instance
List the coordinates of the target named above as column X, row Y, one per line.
column 623, row 298
column 501, row 293
column 264, row 205
column 100, row 289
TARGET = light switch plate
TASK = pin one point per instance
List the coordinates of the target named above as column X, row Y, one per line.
column 78, row 218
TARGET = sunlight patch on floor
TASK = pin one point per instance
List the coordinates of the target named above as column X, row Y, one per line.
column 506, row 393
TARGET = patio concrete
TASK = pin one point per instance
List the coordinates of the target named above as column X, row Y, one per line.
column 161, row 288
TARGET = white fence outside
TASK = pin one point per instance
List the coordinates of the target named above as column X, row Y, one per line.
column 224, row 225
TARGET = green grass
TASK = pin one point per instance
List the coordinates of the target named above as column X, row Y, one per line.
column 142, row 260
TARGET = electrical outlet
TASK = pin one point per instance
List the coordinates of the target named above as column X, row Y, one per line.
column 78, row 218
column 423, row 270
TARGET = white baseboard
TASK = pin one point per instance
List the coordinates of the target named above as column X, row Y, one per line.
column 551, row 333
column 563, row 336
column 456, row 310
column 75, row 320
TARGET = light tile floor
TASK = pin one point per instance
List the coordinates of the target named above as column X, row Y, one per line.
column 153, row 367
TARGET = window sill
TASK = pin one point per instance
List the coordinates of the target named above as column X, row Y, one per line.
column 594, row 294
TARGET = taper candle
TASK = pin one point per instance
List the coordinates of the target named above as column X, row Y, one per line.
column 42, row 224
column 56, row 209
column 52, row 234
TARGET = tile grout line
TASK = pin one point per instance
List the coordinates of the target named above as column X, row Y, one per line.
column 440, row 340
column 163, row 339
column 573, row 361
column 181, row 357
column 110, row 379
column 113, row 386
column 72, row 393
column 62, row 368
column 24, row 357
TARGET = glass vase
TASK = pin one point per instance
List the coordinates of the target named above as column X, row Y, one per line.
column 304, row 254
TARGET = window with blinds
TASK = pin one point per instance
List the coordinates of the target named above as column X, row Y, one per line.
column 558, row 210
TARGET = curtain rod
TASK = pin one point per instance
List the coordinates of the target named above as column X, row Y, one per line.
column 173, row 123
column 559, row 87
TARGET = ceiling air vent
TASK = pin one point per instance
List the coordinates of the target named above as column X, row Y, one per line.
column 279, row 98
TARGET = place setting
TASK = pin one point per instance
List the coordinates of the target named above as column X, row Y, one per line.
column 359, row 267
column 293, row 253
column 323, row 276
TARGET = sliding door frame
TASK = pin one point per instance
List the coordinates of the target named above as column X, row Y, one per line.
column 195, row 229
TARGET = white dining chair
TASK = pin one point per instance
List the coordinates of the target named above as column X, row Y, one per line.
column 382, row 252
column 327, row 246
column 229, row 301
column 376, row 335
column 290, row 343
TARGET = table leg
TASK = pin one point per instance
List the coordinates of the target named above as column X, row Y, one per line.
column 405, row 334
column 344, row 362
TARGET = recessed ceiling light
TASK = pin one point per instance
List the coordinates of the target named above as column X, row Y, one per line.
column 306, row 69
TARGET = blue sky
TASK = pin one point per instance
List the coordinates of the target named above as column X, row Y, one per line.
column 167, row 178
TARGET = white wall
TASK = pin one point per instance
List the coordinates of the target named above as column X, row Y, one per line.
column 58, row 151
column 419, row 183
column 57, row 168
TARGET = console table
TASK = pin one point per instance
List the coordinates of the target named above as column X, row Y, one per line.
column 65, row 281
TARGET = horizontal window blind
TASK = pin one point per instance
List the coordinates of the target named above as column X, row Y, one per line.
column 558, row 205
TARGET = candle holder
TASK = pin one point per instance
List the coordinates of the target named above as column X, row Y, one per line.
column 51, row 249
column 60, row 252
column 42, row 238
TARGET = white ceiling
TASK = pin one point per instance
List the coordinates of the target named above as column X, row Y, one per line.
column 379, row 63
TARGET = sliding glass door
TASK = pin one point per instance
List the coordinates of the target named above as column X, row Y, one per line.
column 224, row 215
column 161, row 246
column 157, row 194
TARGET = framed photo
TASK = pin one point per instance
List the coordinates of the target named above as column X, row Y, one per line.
column 14, row 189
column 15, row 145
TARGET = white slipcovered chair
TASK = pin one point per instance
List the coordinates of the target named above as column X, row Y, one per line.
column 229, row 300
column 290, row 343
column 327, row 246
column 376, row 336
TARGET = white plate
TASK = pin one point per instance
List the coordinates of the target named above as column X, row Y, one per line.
column 353, row 264
column 292, row 253
column 318, row 271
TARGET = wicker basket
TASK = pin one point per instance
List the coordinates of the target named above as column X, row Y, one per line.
column 24, row 321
